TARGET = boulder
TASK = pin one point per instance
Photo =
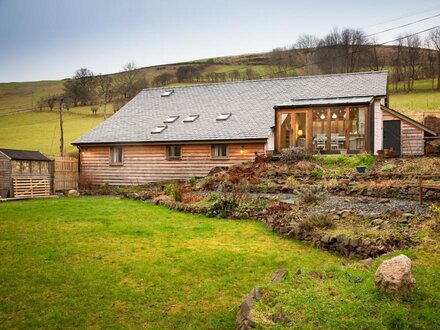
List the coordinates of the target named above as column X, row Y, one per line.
column 73, row 193
column 394, row 276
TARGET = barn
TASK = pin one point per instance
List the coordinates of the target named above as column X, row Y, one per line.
column 164, row 134
column 24, row 174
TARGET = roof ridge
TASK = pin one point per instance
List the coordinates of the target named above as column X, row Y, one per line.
column 266, row 79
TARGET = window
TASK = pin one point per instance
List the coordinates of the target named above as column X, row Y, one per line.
column 220, row 151
column 171, row 119
column 224, row 116
column 158, row 129
column 116, row 155
column 190, row 118
column 168, row 92
column 173, row 152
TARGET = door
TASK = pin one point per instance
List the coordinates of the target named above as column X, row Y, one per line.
column 391, row 135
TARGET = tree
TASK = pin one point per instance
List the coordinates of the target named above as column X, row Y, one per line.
column 105, row 84
column 163, row 79
column 81, row 88
column 282, row 60
column 342, row 52
column 187, row 73
column 306, row 46
column 51, row 102
column 411, row 57
column 41, row 102
column 130, row 81
column 434, row 41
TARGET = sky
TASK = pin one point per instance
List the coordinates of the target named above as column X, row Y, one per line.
column 51, row 39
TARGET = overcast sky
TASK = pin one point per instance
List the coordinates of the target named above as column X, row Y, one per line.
column 50, row 39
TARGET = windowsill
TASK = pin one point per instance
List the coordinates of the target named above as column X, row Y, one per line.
column 174, row 158
column 116, row 164
column 219, row 158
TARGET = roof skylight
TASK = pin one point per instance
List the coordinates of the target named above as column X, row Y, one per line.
column 167, row 92
column 171, row 119
column 224, row 116
column 158, row 129
column 191, row 118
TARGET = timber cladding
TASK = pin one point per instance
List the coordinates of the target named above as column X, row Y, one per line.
column 411, row 139
column 148, row 163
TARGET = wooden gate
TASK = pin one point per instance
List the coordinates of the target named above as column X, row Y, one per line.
column 65, row 173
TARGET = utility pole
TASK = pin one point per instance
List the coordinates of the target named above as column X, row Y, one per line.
column 60, row 99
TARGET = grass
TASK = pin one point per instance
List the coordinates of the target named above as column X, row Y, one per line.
column 40, row 130
column 110, row 263
column 340, row 164
column 344, row 297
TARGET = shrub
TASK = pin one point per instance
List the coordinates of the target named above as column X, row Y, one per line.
column 278, row 208
column 191, row 198
column 294, row 155
column 318, row 173
column 213, row 198
column 192, row 181
column 292, row 183
column 173, row 191
column 388, row 167
column 316, row 221
column 309, row 194
column 435, row 209
column 222, row 208
column 94, row 110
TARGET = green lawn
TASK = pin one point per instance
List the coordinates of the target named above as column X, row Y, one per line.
column 109, row 263
column 115, row 263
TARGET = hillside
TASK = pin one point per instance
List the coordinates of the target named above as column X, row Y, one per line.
column 23, row 126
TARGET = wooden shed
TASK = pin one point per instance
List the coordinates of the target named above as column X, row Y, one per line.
column 24, row 174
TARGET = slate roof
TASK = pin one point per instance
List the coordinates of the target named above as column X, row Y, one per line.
column 24, row 154
column 250, row 102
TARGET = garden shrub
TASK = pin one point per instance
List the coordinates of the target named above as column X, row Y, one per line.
column 388, row 167
column 294, row 155
column 316, row 221
column 173, row 191
column 309, row 194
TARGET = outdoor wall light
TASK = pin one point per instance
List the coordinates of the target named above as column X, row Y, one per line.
column 300, row 132
column 241, row 150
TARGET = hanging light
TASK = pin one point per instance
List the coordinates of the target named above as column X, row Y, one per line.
column 322, row 116
column 334, row 116
column 345, row 115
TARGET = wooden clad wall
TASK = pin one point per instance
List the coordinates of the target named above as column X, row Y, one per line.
column 5, row 175
column 148, row 163
column 412, row 142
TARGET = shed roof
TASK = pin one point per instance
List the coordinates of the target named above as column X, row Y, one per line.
column 249, row 102
column 409, row 120
column 24, row 154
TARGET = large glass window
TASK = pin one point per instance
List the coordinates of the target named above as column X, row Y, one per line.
column 293, row 130
column 319, row 127
column 356, row 128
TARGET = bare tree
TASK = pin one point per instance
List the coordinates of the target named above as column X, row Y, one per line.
column 281, row 59
column 163, row 79
column 342, row 51
column 51, row 102
column 130, row 81
column 413, row 53
column 434, row 41
column 105, row 84
column 376, row 60
column 306, row 46
column 81, row 88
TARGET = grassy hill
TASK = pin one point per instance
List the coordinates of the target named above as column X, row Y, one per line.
column 23, row 126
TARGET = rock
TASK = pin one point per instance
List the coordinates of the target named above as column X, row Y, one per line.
column 278, row 275
column 368, row 262
column 383, row 200
column 377, row 221
column 298, row 271
column 73, row 193
column 244, row 318
column 407, row 215
column 394, row 276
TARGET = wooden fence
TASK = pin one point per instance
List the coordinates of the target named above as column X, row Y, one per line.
column 65, row 173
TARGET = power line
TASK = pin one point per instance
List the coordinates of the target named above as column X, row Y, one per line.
column 403, row 25
column 356, row 51
column 403, row 16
